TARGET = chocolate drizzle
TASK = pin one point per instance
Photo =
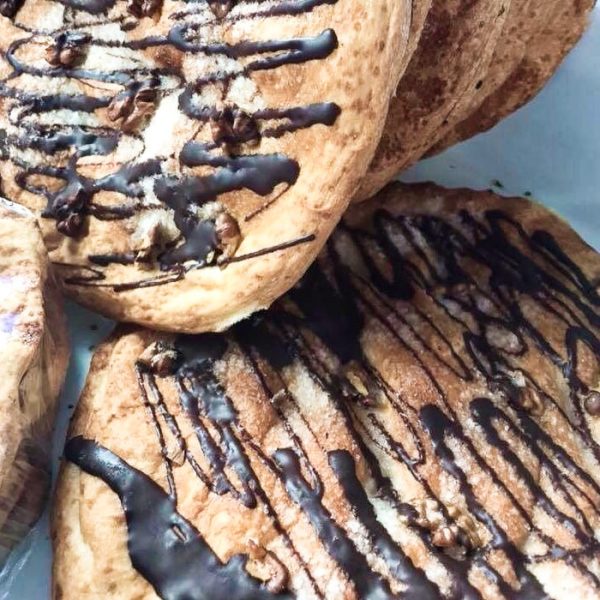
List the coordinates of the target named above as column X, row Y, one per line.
column 466, row 301
column 187, row 568
column 96, row 123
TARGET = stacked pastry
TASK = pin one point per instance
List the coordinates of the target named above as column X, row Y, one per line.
column 405, row 406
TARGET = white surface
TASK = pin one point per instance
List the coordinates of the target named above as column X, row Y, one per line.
column 550, row 148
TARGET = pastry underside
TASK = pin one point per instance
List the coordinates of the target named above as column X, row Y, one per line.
column 454, row 51
column 418, row 418
column 564, row 24
column 33, row 355
column 188, row 160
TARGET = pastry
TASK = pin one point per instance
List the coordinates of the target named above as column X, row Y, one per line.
column 33, row 354
column 418, row 418
column 188, row 160
column 454, row 51
column 565, row 23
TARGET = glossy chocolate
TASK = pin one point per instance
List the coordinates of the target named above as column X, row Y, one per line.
column 481, row 272
column 70, row 196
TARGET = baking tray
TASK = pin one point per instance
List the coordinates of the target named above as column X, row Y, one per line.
column 549, row 149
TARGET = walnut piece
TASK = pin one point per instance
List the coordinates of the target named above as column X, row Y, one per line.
column 160, row 358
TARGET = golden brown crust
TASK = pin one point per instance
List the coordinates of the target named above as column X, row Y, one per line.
column 33, row 354
column 564, row 24
column 454, row 51
column 443, row 362
column 358, row 73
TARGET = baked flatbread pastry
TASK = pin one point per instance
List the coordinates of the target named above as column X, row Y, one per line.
column 454, row 50
column 33, row 355
column 188, row 160
column 418, row 418
column 565, row 24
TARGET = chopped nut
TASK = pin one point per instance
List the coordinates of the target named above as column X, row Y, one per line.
column 143, row 8
column 531, row 401
column 67, row 207
column 66, row 49
column 228, row 235
column 468, row 527
column 459, row 536
column 160, row 358
column 362, row 387
column 591, row 403
column 444, row 537
column 70, row 226
column 232, row 129
column 220, row 8
column 499, row 336
column 221, row 128
column 133, row 108
column 430, row 514
column 245, row 128
column 278, row 574
column 154, row 231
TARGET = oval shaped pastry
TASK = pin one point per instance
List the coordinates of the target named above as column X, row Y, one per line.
column 476, row 64
column 563, row 25
column 33, row 354
column 188, row 160
column 418, row 418
column 453, row 53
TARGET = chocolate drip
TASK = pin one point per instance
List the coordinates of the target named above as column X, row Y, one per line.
column 439, row 426
column 164, row 547
column 71, row 197
column 369, row 584
column 484, row 274
column 417, row 584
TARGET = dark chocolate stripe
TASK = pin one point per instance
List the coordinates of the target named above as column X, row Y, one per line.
column 164, row 547
column 484, row 274
column 70, row 198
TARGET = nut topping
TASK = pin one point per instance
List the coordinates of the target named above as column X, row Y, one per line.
column 220, row 8
column 160, row 358
column 70, row 226
column 68, row 207
column 133, row 108
column 231, row 129
column 361, row 387
column 591, row 403
column 67, row 49
column 175, row 453
column 228, row 235
column 445, row 537
column 143, row 8
column 460, row 535
column 531, row 401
